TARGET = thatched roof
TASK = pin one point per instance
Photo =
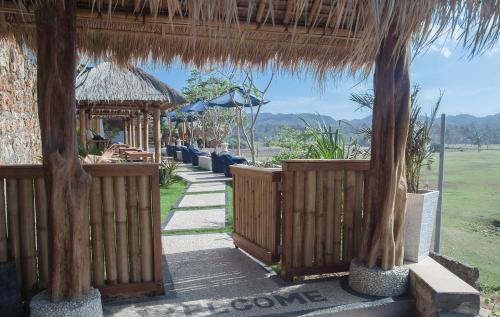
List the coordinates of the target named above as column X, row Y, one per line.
column 324, row 35
column 108, row 83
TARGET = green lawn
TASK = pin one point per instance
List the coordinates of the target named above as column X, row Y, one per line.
column 471, row 210
column 169, row 196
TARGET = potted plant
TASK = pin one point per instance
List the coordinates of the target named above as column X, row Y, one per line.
column 421, row 204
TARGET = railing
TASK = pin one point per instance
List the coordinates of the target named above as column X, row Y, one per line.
column 257, row 211
column 124, row 221
column 323, row 205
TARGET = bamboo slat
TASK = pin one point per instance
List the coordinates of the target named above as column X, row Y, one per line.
column 358, row 212
column 109, row 230
column 298, row 218
column 349, row 209
column 145, row 229
column 3, row 224
column 133, row 230
column 337, row 231
column 320, row 218
column 330, row 218
column 121, row 229
column 27, row 234
column 42, row 237
column 96, row 225
column 14, row 243
column 309, row 219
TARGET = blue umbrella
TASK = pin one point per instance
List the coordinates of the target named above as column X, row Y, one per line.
column 198, row 106
column 235, row 97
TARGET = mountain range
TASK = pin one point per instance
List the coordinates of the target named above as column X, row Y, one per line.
column 458, row 126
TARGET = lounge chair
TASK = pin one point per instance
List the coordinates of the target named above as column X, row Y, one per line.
column 217, row 163
column 195, row 153
column 186, row 155
column 229, row 160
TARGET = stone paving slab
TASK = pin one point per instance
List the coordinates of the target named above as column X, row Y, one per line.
column 206, row 187
column 197, row 219
column 194, row 174
column 203, row 200
column 205, row 275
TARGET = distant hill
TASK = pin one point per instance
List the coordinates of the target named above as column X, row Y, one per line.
column 459, row 127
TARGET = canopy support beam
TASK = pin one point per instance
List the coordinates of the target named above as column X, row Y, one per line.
column 157, row 134
column 145, row 134
column 67, row 184
column 139, row 130
column 385, row 200
column 83, row 128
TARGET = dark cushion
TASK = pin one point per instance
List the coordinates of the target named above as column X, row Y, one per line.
column 186, row 155
column 229, row 160
column 195, row 153
column 217, row 164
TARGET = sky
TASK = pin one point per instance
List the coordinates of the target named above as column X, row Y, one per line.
column 470, row 86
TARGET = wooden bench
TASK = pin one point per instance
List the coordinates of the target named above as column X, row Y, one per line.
column 133, row 155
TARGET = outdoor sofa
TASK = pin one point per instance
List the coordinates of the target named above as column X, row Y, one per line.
column 221, row 163
column 195, row 153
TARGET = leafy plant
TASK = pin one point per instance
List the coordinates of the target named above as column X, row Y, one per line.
column 325, row 141
column 418, row 150
column 167, row 172
column 292, row 143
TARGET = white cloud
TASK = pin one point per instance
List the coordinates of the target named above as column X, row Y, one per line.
column 446, row 52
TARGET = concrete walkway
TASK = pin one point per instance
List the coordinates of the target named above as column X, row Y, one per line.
column 203, row 205
column 205, row 275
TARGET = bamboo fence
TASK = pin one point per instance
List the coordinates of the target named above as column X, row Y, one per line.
column 257, row 211
column 123, row 220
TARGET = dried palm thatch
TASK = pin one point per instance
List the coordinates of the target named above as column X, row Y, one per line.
column 324, row 35
column 111, row 84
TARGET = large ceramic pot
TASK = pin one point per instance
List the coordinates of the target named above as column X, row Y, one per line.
column 419, row 224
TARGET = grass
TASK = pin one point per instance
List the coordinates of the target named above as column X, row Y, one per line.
column 471, row 211
column 170, row 195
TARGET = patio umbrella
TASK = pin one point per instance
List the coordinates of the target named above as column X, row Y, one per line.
column 236, row 97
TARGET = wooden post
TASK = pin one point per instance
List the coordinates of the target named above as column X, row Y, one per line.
column 133, row 230
column 121, row 229
column 145, row 229
column 145, row 133
column 133, row 137
column 83, row 128
column 125, row 131
column 157, row 134
column 139, row 131
column 66, row 182
column 170, row 130
column 109, row 229
column 383, row 222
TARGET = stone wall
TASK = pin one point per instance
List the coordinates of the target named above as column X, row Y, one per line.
column 19, row 128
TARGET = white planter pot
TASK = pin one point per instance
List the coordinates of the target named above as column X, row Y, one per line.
column 419, row 224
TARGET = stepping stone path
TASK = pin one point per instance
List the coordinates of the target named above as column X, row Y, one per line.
column 199, row 219
column 203, row 206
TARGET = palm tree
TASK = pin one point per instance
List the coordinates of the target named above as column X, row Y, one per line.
column 418, row 151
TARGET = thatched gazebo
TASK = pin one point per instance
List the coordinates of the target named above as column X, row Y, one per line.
column 345, row 36
column 128, row 93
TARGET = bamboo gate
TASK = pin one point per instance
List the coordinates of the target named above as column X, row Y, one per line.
column 308, row 214
column 123, row 221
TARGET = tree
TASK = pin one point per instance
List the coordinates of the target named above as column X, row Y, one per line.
column 248, row 125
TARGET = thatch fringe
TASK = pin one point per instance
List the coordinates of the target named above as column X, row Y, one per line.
column 336, row 35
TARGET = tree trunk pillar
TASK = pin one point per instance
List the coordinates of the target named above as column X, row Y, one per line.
column 157, row 134
column 67, row 184
column 383, row 221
